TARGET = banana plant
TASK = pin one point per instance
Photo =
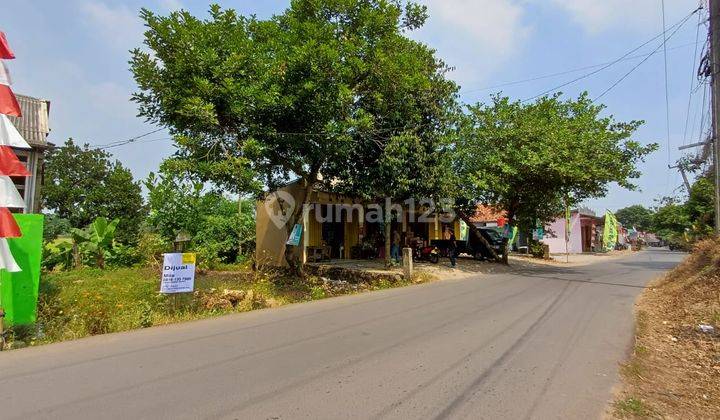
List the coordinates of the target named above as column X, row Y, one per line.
column 97, row 238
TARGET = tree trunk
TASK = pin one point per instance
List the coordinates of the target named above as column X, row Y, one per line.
column 240, row 233
column 465, row 218
column 77, row 259
column 388, row 234
column 101, row 259
column 291, row 257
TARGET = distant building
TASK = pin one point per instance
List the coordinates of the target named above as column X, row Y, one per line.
column 34, row 127
column 487, row 216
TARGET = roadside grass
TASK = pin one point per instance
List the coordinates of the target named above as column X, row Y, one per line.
column 632, row 407
column 85, row 302
column 674, row 368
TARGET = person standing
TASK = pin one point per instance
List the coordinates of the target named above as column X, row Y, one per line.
column 395, row 250
column 452, row 249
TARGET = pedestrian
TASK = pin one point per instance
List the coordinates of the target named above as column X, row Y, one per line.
column 395, row 249
column 452, row 250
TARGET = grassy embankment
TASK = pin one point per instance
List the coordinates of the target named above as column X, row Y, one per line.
column 86, row 302
column 674, row 371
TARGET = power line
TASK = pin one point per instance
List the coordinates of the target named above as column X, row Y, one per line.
column 621, row 58
column 624, row 76
column 127, row 141
column 692, row 80
column 562, row 73
column 667, row 93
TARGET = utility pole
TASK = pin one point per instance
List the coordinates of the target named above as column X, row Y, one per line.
column 715, row 89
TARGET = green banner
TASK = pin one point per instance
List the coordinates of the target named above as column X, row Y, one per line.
column 19, row 291
column 610, row 233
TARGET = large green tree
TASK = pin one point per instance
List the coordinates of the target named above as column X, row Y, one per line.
column 82, row 184
column 636, row 216
column 533, row 159
column 325, row 90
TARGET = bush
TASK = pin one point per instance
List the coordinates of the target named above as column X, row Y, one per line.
column 151, row 247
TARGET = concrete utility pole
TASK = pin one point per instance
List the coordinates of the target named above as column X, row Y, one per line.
column 715, row 83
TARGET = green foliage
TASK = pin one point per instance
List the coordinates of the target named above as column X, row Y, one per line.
column 635, row 216
column 671, row 221
column 700, row 206
column 150, row 248
column 58, row 254
column 55, row 226
column 97, row 239
column 529, row 158
column 687, row 222
column 220, row 230
column 308, row 91
column 82, row 184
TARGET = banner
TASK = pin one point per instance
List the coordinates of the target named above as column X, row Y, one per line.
column 19, row 291
column 610, row 233
column 295, row 236
column 178, row 275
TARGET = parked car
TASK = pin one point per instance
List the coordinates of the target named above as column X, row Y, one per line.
column 473, row 246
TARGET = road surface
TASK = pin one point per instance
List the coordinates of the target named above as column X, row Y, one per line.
column 541, row 343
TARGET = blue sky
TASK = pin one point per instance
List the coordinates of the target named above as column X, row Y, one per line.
column 75, row 53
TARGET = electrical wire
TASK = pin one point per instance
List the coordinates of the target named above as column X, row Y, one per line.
column 693, row 78
column 624, row 76
column 562, row 73
column 667, row 90
column 621, row 58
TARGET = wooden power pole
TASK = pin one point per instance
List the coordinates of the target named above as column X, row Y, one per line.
column 715, row 89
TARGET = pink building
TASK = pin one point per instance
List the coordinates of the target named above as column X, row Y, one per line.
column 583, row 233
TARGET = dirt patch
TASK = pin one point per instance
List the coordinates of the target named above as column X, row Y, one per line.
column 573, row 260
column 674, row 371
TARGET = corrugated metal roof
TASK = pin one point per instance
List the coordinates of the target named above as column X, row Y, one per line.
column 34, row 123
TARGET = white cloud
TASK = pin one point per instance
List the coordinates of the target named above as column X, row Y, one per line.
column 119, row 25
column 476, row 37
column 596, row 16
column 171, row 5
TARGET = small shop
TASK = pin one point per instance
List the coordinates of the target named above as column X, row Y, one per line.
column 340, row 227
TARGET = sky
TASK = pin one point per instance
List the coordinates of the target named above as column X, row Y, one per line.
column 75, row 54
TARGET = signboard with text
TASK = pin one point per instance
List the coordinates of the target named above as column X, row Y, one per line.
column 178, row 275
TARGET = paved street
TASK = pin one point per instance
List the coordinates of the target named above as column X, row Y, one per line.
column 540, row 343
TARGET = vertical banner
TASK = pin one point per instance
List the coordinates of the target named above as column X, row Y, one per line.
column 295, row 235
column 19, row 291
column 610, row 232
column 178, row 274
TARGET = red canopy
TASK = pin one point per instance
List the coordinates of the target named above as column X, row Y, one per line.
column 8, row 226
column 5, row 51
column 10, row 165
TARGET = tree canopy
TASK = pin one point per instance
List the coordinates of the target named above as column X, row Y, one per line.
column 636, row 216
column 532, row 159
column 303, row 93
column 82, row 184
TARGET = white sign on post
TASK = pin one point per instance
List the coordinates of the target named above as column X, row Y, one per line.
column 178, row 275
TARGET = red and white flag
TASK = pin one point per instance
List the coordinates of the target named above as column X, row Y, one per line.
column 10, row 136
column 5, row 51
column 8, row 102
column 10, row 165
column 5, row 78
column 9, row 195
column 8, row 225
column 7, row 261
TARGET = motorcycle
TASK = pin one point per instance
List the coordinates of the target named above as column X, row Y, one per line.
column 427, row 253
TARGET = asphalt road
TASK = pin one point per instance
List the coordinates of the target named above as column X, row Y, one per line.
column 542, row 343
